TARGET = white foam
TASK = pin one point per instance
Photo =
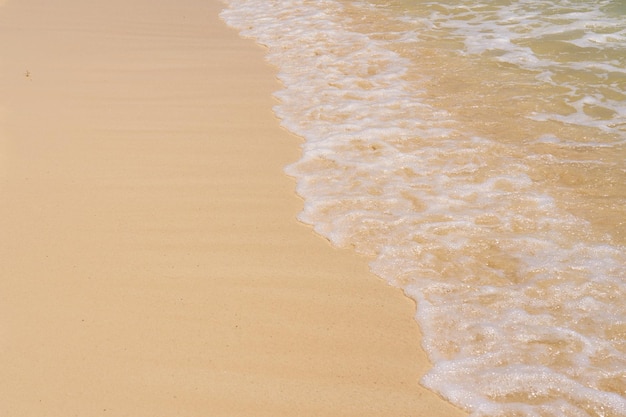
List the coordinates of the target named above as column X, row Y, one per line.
column 514, row 293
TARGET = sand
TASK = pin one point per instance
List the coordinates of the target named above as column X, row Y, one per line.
column 150, row 260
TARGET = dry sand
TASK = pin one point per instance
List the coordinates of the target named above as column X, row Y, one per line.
column 150, row 260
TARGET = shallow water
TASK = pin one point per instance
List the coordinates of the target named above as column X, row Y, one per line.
column 475, row 151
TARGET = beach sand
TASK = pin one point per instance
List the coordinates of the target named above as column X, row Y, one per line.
column 150, row 261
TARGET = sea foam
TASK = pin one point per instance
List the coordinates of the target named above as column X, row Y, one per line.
column 447, row 145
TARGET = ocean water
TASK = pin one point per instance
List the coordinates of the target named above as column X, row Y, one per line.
column 475, row 152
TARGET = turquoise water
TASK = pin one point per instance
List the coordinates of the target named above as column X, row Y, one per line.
column 475, row 152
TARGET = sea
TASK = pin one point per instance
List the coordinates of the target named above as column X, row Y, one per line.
column 475, row 152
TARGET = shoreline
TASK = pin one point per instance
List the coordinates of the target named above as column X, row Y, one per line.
column 152, row 263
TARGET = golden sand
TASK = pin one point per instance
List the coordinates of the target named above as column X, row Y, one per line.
column 150, row 261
